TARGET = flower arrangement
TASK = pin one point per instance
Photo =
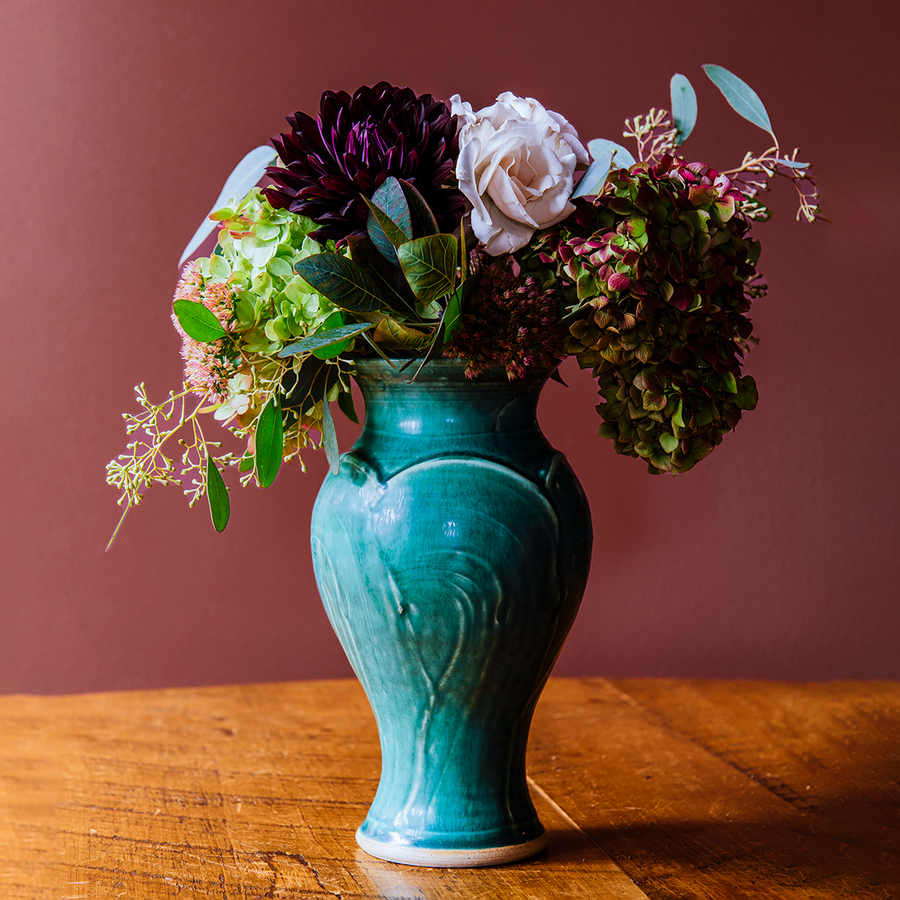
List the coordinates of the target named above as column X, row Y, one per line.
column 396, row 225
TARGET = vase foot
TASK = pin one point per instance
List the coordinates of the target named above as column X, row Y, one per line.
column 451, row 858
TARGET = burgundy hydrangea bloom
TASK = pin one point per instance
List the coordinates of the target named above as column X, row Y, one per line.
column 354, row 145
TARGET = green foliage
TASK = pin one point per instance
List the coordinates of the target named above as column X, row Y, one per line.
column 197, row 321
column 740, row 96
column 217, row 495
column 269, row 443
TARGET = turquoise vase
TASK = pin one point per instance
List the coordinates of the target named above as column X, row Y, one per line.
column 451, row 551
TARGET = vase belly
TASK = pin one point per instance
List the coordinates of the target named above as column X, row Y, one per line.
column 451, row 551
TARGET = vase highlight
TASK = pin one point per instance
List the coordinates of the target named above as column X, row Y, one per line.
column 451, row 550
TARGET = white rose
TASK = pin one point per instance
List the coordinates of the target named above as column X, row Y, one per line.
column 516, row 167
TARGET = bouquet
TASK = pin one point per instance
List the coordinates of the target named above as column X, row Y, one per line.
column 397, row 225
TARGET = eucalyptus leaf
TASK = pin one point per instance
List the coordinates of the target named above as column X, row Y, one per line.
column 198, row 321
column 791, row 163
column 340, row 280
column 684, row 107
column 429, row 264
column 329, row 439
column 245, row 175
column 740, row 96
column 322, row 339
column 217, row 496
column 269, row 443
column 622, row 158
column 591, row 183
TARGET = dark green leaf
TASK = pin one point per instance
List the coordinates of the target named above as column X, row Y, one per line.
column 269, row 443
column 217, row 496
column 340, row 280
column 456, row 306
column 388, row 277
column 429, row 264
column 329, row 439
column 333, row 337
column 246, row 464
column 435, row 350
column 684, row 107
column 591, row 183
column 345, row 402
column 389, row 223
column 422, row 218
column 309, row 385
column 198, row 321
column 740, row 96
column 391, row 199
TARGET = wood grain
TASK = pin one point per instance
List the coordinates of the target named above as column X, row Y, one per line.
column 649, row 789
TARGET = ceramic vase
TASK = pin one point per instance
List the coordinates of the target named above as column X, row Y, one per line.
column 451, row 550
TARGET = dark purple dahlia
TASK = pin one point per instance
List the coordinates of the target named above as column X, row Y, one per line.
column 356, row 143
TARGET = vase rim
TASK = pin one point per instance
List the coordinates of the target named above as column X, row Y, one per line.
column 442, row 370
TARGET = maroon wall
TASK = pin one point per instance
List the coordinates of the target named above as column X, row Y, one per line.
column 775, row 558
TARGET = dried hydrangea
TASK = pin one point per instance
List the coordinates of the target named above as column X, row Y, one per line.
column 665, row 271
column 509, row 321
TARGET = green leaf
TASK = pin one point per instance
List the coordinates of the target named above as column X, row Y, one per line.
column 740, row 96
column 335, row 320
column 429, row 264
column 345, row 402
column 591, row 183
column 456, row 305
column 391, row 200
column 269, row 443
column 330, row 338
column 245, row 175
column 421, row 217
column 198, row 321
column 217, row 496
column 622, row 158
column 329, row 439
column 452, row 314
column 389, row 223
column 386, row 275
column 684, row 107
column 309, row 384
column 246, row 464
column 340, row 280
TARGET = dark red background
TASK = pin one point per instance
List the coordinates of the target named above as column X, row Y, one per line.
column 776, row 558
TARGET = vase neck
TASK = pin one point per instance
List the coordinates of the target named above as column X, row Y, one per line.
column 441, row 401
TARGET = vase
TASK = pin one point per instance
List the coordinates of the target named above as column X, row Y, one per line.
column 451, row 550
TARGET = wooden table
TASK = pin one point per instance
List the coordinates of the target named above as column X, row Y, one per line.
column 649, row 789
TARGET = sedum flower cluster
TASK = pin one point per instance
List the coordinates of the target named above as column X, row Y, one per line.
column 395, row 224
